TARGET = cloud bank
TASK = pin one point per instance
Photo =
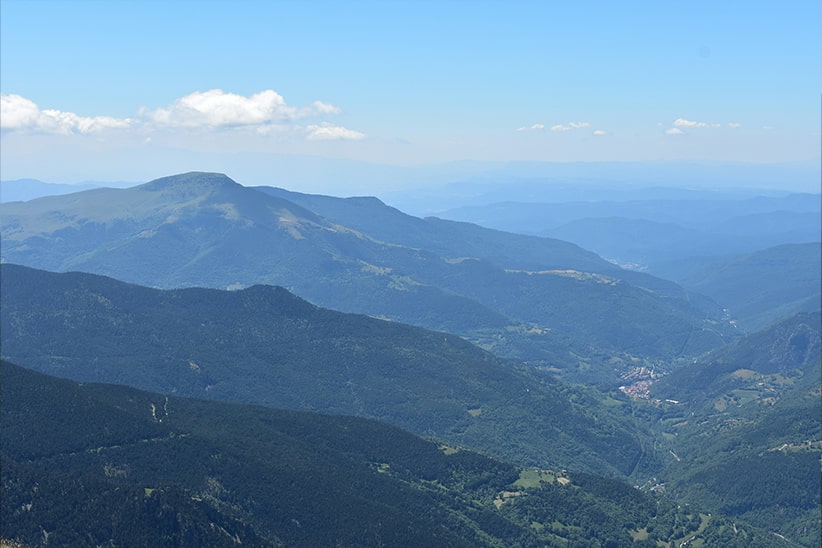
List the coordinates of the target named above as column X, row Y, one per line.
column 215, row 109
column 21, row 114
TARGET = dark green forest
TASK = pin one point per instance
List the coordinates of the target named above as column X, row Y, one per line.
column 264, row 345
column 170, row 471
column 713, row 422
column 743, row 436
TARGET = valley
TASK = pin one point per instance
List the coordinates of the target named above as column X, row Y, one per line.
column 527, row 349
column 309, row 274
column 205, row 230
column 222, row 474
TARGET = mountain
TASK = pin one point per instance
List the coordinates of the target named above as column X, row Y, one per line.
column 446, row 238
column 789, row 349
column 763, row 287
column 563, row 182
column 21, row 190
column 264, row 345
column 113, row 465
column 741, row 429
column 662, row 236
column 455, row 239
column 699, row 212
column 541, row 300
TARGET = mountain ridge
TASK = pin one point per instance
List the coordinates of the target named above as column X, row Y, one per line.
column 264, row 345
column 478, row 283
column 170, row 471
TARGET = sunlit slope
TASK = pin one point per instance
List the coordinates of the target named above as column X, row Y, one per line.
column 509, row 292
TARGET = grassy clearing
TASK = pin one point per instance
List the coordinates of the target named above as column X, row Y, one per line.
column 745, row 374
column 641, row 534
column 448, row 449
column 533, row 478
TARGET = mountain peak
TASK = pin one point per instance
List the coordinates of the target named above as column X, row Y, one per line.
column 192, row 180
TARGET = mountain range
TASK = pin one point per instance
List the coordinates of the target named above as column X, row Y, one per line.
column 742, row 429
column 171, row 471
column 264, row 345
column 757, row 400
column 536, row 299
column 659, row 232
column 212, row 307
column 765, row 286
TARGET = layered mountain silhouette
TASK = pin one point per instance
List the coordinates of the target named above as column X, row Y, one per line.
column 538, row 299
column 766, row 286
column 266, row 346
column 734, row 431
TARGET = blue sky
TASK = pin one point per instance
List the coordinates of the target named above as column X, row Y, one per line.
column 130, row 90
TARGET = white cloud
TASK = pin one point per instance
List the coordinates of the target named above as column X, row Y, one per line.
column 534, row 127
column 674, row 131
column 19, row 113
column 327, row 132
column 216, row 108
column 326, row 108
column 682, row 122
column 265, row 113
column 600, row 132
column 734, row 125
column 570, row 126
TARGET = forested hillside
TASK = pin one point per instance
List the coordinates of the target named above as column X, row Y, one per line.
column 264, row 345
column 740, row 430
column 763, row 287
column 540, row 300
column 167, row 471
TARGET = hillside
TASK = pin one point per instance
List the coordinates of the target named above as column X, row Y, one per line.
column 701, row 210
column 264, row 345
column 741, row 429
column 766, row 286
column 448, row 238
column 459, row 239
column 168, row 471
column 789, row 349
column 206, row 230
column 677, row 239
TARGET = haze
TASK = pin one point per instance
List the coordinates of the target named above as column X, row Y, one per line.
column 319, row 96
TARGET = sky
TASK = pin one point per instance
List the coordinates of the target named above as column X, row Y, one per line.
column 102, row 90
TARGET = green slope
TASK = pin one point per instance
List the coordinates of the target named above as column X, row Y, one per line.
column 112, row 465
column 460, row 239
column 741, row 430
column 264, row 345
column 766, row 286
column 202, row 229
